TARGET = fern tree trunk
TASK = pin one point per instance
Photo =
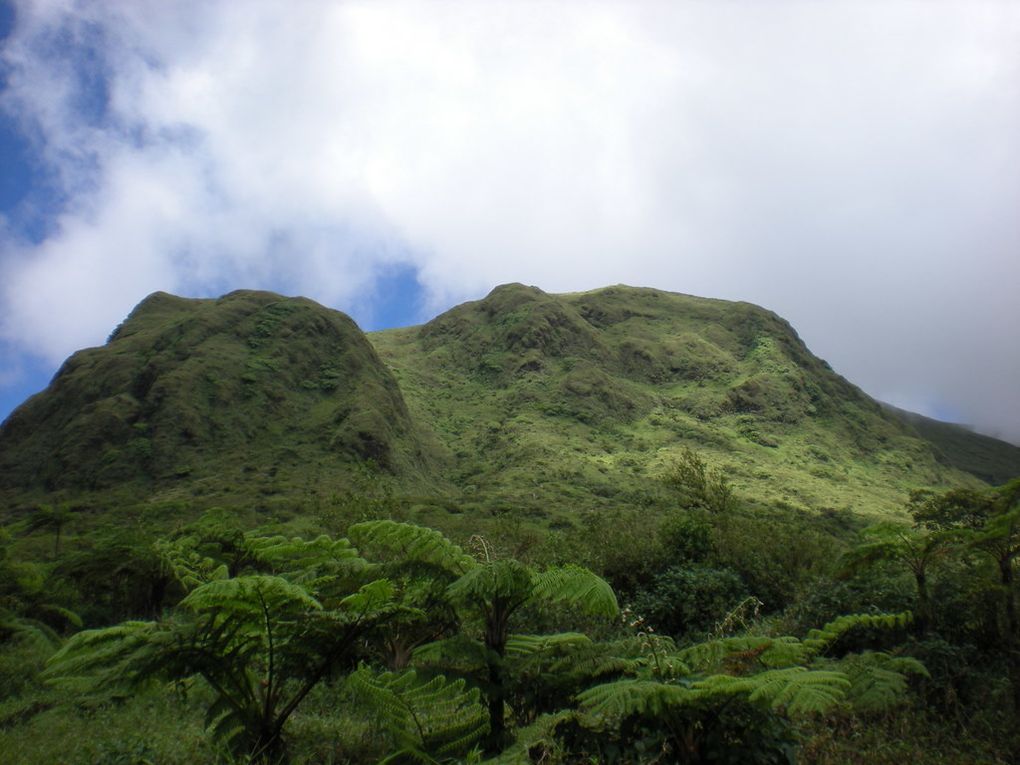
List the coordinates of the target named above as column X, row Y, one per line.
column 497, row 705
column 496, row 631
column 923, row 616
column 1012, row 644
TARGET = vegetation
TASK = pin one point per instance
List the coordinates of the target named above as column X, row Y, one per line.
column 623, row 526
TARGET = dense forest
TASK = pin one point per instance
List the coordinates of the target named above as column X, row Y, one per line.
column 623, row 526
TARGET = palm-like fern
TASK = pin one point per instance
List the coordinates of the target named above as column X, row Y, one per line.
column 487, row 594
column 408, row 544
column 878, row 680
column 428, row 719
column 783, row 675
column 261, row 641
column 421, row 563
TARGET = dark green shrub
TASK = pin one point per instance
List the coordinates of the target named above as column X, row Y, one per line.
column 687, row 601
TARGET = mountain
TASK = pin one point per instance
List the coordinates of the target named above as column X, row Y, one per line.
column 548, row 405
column 987, row 458
column 252, row 387
column 584, row 398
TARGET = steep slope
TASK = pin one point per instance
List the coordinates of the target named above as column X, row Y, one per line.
column 249, row 388
column 988, row 458
column 582, row 399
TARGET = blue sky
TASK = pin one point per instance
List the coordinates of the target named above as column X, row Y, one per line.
column 854, row 167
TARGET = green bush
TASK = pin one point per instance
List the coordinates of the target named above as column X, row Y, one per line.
column 688, row 601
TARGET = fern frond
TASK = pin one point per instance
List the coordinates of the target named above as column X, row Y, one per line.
column 540, row 737
column 181, row 558
column 611, row 702
column 106, row 657
column 405, row 543
column 28, row 630
column 249, row 595
column 302, row 560
column 796, row 689
column 525, row 645
column 371, row 598
column 819, row 639
column 425, row 717
column 459, row 653
column 878, row 680
column 745, row 652
column 579, row 587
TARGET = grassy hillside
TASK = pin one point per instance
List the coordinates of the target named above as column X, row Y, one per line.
column 251, row 392
column 578, row 401
column 548, row 406
column 987, row 458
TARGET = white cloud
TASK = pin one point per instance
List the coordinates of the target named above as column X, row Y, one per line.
column 853, row 166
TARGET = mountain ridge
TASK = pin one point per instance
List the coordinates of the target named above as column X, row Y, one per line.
column 523, row 399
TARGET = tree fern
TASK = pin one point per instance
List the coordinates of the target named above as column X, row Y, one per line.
column 261, row 641
column 878, row 680
column 428, row 719
column 406, row 543
column 578, row 587
column 492, row 592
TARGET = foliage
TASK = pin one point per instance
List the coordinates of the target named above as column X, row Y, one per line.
column 697, row 486
column 261, row 641
column 682, row 709
column 427, row 719
column 689, row 601
column 531, row 431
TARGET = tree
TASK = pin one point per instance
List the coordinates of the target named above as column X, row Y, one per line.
column 496, row 590
column 488, row 594
column 915, row 549
column 988, row 522
column 999, row 538
column 698, row 486
column 422, row 564
column 260, row 641
column 52, row 518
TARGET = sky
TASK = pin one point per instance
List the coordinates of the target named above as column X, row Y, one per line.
column 853, row 166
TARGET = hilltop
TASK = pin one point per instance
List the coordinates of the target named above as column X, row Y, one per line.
column 250, row 390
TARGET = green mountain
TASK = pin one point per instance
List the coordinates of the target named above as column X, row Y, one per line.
column 547, row 404
column 987, row 458
column 251, row 389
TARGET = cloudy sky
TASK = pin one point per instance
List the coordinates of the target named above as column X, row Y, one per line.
column 853, row 166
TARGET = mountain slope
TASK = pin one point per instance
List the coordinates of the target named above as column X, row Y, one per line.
column 987, row 458
column 251, row 386
column 585, row 398
column 546, row 405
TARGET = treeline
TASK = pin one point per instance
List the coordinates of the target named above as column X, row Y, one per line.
column 713, row 631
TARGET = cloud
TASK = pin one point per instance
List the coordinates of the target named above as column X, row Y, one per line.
column 853, row 166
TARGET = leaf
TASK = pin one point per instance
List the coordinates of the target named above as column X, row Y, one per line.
column 577, row 586
column 406, row 543
column 425, row 717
